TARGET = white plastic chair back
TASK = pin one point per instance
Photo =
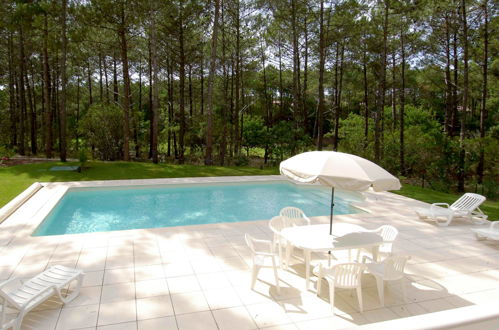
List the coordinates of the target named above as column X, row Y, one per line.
column 277, row 224
column 249, row 241
column 294, row 216
column 394, row 267
column 346, row 275
column 389, row 234
column 468, row 202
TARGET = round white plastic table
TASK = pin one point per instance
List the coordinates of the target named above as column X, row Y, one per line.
column 316, row 238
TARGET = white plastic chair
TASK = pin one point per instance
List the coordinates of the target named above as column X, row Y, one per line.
column 390, row 269
column 293, row 216
column 261, row 250
column 389, row 234
column 36, row 290
column 467, row 206
column 344, row 276
column 276, row 224
column 491, row 232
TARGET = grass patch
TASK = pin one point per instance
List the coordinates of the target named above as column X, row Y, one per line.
column 17, row 178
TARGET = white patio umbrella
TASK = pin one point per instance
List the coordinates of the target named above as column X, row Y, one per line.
column 338, row 170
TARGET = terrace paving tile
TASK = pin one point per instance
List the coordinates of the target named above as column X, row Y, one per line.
column 118, row 292
column 117, row 312
column 151, row 288
column 184, row 303
column 183, row 284
column 169, row 323
column 154, row 307
column 234, row 318
column 196, row 321
column 119, row 275
column 119, row 326
column 78, row 317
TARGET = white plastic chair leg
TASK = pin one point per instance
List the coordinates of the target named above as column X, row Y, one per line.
column 359, row 297
column 402, row 286
column 381, row 290
column 254, row 274
column 444, row 223
column 331, row 296
column 276, row 276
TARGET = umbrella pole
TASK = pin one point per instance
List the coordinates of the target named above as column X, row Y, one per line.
column 331, row 215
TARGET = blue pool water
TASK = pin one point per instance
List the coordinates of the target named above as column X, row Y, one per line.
column 107, row 209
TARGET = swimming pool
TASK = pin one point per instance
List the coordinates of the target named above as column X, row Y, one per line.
column 83, row 210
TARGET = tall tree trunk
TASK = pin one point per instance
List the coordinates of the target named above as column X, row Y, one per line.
column 136, row 125
column 208, row 160
column 12, row 94
column 464, row 109
column 101, row 85
column 338, row 88
column 89, row 76
column 225, row 76
column 453, row 120
column 150, row 113
column 182, row 62
column 115, row 80
column 169, row 82
column 378, row 130
column 155, row 90
column 402, row 103
column 32, row 114
column 22, row 93
column 296, row 68
column 322, row 62
column 77, row 136
column 126, row 85
column 394, row 92
column 64, row 82
column 281, row 84
column 201, row 73
column 238, row 104
column 366, row 99
column 305, row 78
column 448, row 80
column 106, row 79
column 191, row 102
column 483, row 107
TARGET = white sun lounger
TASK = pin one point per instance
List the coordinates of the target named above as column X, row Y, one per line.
column 467, row 206
column 35, row 291
column 491, row 232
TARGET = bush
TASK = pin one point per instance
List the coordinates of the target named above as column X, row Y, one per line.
column 102, row 127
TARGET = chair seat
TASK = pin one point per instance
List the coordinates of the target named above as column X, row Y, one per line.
column 56, row 276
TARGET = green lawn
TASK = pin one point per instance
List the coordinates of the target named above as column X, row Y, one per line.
column 15, row 179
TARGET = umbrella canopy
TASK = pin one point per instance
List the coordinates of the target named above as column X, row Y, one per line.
column 338, row 170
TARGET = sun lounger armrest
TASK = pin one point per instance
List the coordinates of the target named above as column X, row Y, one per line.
column 494, row 224
column 439, row 204
column 267, row 244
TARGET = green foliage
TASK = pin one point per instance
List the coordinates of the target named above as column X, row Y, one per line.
column 103, row 130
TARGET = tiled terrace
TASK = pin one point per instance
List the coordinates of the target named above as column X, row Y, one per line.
column 197, row 277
